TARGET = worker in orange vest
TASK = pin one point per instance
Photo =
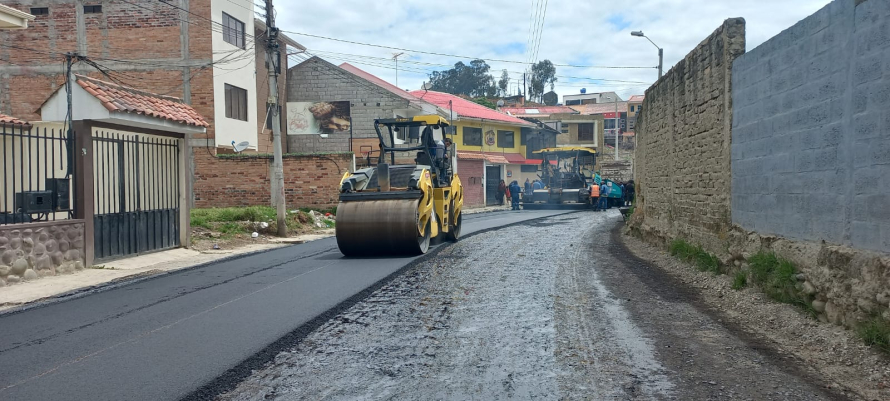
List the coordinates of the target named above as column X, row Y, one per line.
column 595, row 196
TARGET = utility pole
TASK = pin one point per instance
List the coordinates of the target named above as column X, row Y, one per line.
column 273, row 59
column 617, row 130
column 524, row 89
column 395, row 57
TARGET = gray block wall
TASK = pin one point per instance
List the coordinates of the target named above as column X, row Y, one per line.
column 319, row 80
column 811, row 129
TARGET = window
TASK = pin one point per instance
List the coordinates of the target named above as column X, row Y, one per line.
column 585, row 132
column 472, row 136
column 236, row 103
column 505, row 139
column 39, row 10
column 529, row 168
column 573, row 102
column 233, row 30
column 95, row 9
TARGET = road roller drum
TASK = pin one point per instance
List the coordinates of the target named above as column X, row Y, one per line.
column 380, row 227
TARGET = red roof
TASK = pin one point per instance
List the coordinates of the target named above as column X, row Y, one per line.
column 379, row 82
column 466, row 108
column 531, row 111
column 636, row 98
column 600, row 108
column 118, row 98
column 4, row 119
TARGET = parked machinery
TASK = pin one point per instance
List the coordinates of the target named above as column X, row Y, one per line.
column 567, row 174
column 412, row 195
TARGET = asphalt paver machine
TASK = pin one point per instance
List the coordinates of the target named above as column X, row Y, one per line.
column 567, row 174
column 411, row 197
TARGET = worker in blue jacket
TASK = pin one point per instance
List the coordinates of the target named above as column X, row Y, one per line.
column 515, row 190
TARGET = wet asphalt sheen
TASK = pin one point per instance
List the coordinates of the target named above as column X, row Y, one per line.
column 165, row 338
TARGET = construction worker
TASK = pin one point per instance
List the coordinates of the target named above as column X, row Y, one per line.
column 595, row 197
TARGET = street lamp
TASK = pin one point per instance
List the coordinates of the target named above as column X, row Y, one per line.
column 616, row 125
column 660, row 50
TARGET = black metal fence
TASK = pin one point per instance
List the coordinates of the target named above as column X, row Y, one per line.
column 136, row 193
column 38, row 173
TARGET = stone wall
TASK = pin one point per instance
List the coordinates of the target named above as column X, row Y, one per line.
column 33, row 250
column 319, row 80
column 815, row 140
column 243, row 180
column 683, row 147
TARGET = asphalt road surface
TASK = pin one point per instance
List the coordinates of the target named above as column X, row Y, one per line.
column 551, row 309
column 190, row 333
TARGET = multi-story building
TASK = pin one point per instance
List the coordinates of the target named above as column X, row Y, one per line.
column 634, row 106
column 589, row 98
column 207, row 52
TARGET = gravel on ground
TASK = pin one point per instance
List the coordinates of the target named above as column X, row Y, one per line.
column 552, row 309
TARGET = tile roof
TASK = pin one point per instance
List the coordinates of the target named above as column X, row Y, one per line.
column 4, row 119
column 466, row 108
column 600, row 108
column 636, row 98
column 118, row 98
column 530, row 111
column 379, row 82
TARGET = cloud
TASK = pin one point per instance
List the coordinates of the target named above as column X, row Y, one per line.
column 577, row 33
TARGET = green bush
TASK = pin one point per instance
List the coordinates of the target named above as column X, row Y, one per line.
column 876, row 332
column 776, row 277
column 740, row 280
column 229, row 214
column 703, row 260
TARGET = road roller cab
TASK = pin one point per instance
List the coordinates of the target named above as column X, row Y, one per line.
column 410, row 197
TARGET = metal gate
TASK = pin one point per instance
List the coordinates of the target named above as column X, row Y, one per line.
column 492, row 179
column 137, row 190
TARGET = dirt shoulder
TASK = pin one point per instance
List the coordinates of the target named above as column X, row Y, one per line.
column 828, row 353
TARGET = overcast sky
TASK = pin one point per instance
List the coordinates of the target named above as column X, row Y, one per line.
column 578, row 32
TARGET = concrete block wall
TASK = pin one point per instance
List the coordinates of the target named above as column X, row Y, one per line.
column 811, row 129
column 682, row 170
column 317, row 80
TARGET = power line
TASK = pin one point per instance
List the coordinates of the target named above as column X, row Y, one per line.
column 453, row 55
column 541, row 31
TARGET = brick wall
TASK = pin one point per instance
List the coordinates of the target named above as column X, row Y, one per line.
column 470, row 173
column 309, row 180
column 148, row 32
column 811, row 133
column 683, row 149
column 318, row 80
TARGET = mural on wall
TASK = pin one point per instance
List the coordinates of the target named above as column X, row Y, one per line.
column 317, row 118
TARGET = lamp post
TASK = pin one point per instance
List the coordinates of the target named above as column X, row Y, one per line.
column 616, row 125
column 660, row 50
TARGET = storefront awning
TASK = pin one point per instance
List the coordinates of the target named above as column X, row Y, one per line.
column 498, row 158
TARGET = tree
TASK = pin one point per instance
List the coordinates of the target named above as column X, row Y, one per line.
column 485, row 102
column 543, row 74
column 504, row 82
column 471, row 80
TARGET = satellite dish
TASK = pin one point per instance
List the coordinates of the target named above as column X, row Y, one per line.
column 427, row 86
column 583, row 90
column 240, row 147
column 501, row 103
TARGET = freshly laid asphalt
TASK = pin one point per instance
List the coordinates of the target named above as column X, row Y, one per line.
column 182, row 334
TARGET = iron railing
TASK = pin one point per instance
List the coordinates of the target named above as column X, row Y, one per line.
column 38, row 174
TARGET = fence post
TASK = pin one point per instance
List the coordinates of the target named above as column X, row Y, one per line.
column 83, row 185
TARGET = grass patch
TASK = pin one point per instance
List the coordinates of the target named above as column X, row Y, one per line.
column 230, row 214
column 875, row 332
column 777, row 278
column 695, row 254
column 740, row 280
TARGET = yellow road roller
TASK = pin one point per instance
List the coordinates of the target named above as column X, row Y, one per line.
column 406, row 197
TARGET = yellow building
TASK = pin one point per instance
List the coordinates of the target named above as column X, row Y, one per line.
column 491, row 146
